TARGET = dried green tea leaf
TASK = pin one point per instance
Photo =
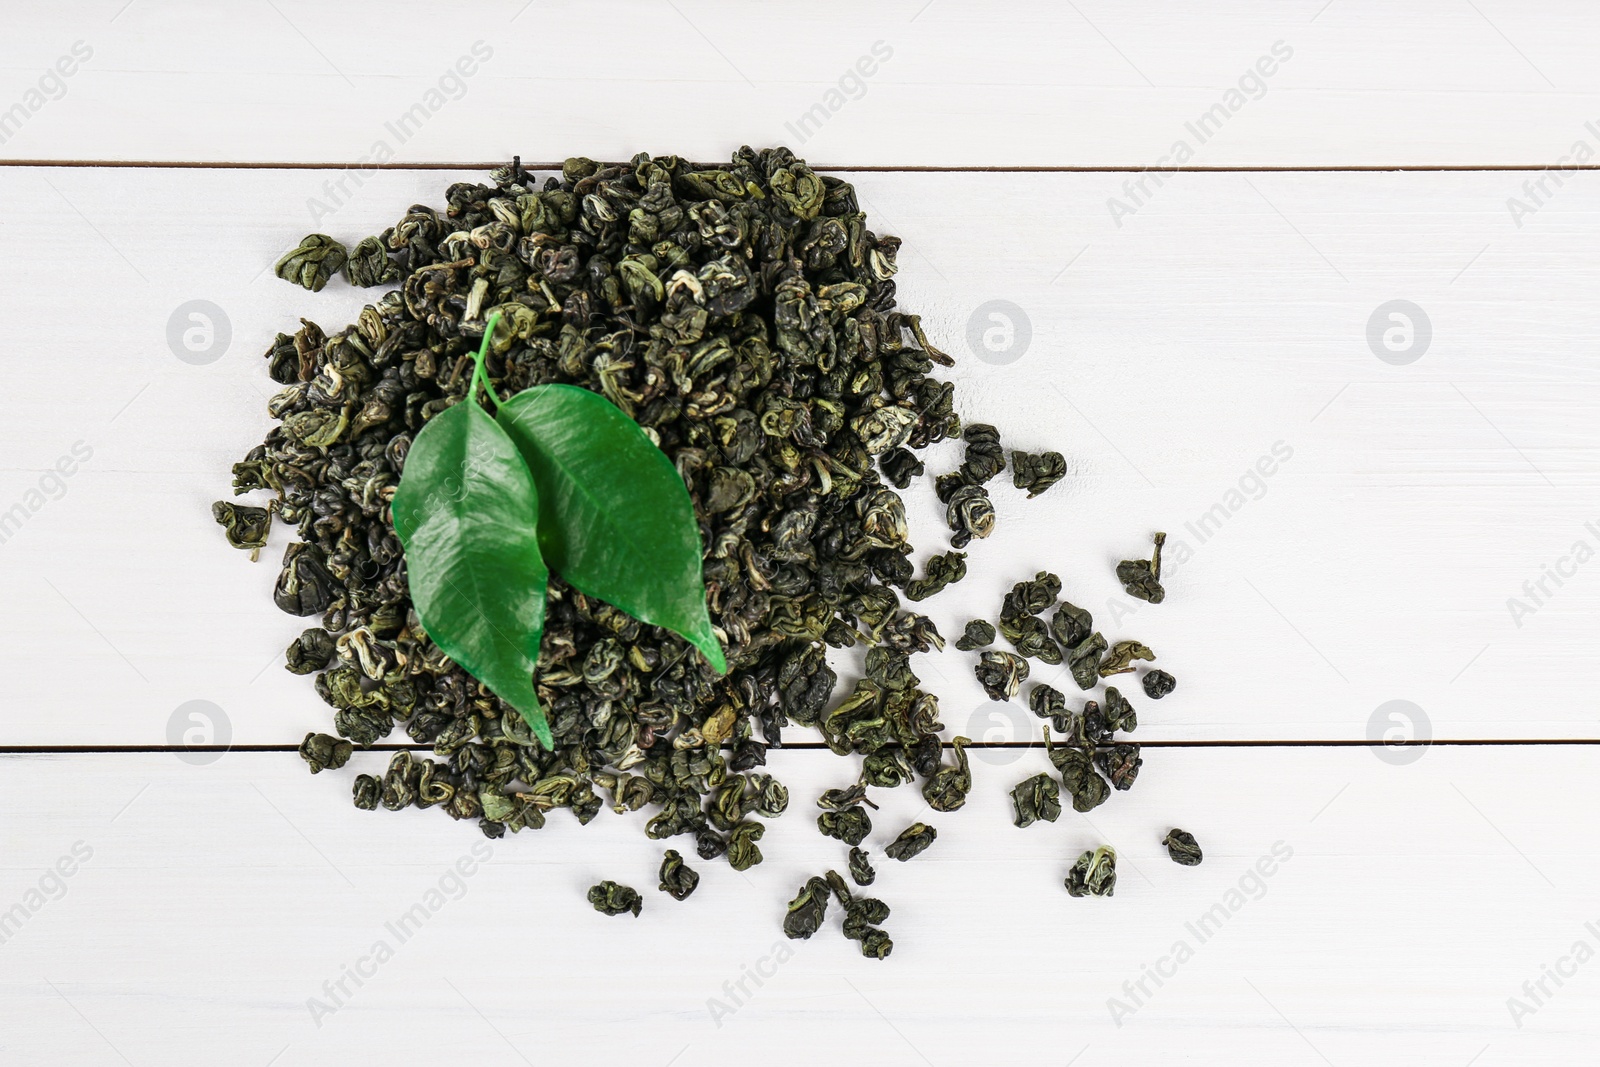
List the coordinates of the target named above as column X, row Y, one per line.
column 861, row 871
column 947, row 789
column 913, row 841
column 677, row 879
column 465, row 512
column 850, row 825
column 770, row 797
column 369, row 264
column 1094, row 875
column 985, row 458
column 1036, row 473
column 899, row 466
column 839, row 799
column 742, row 851
column 1050, row 703
column 1120, row 659
column 1000, row 674
column 1071, row 624
column 887, row 768
column 1119, row 713
column 1120, row 764
column 1083, row 660
column 614, row 518
column 1037, row 798
column 969, row 514
column 310, row 652
column 1182, row 847
column 365, row 791
column 1032, row 597
column 1141, row 578
column 609, row 898
column 1029, row 636
column 247, row 527
column 312, row 262
column 977, row 634
column 1158, row 683
column 1075, row 764
column 876, row 945
column 807, row 910
column 324, row 752
column 942, row 570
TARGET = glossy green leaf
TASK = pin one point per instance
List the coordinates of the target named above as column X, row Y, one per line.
column 614, row 517
column 465, row 512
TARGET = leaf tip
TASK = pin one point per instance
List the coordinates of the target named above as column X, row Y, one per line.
column 711, row 649
column 541, row 729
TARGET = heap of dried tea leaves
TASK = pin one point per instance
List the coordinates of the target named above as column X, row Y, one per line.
column 744, row 316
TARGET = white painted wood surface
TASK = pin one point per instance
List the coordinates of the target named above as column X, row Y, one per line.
column 974, row 83
column 1414, row 902
column 1179, row 331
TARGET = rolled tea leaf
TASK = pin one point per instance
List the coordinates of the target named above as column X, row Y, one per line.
column 677, row 879
column 861, row 872
column 1158, row 684
column 1037, row 798
column 807, row 910
column 942, row 570
column 325, row 752
column 1000, row 673
column 312, row 262
column 1083, row 660
column 614, row 518
column 247, row 527
column 977, row 634
column 1036, row 473
column 913, row 841
column 465, row 512
column 851, row 825
column 1141, row 578
column 609, row 898
column 1182, row 847
column 947, row 788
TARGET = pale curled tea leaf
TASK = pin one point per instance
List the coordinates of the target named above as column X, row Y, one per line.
column 1094, row 874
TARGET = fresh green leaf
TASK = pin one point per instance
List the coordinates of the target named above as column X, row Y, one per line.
column 614, row 517
column 465, row 512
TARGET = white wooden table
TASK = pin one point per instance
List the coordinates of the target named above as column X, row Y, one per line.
column 1417, row 540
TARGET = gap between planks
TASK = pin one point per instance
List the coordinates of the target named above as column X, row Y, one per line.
column 175, row 164
column 804, row 746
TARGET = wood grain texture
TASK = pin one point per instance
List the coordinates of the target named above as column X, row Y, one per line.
column 980, row 83
column 1405, row 906
column 1169, row 357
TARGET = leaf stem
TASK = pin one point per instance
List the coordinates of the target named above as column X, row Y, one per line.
column 478, row 375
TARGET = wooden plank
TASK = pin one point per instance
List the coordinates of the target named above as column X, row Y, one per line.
column 1168, row 358
column 981, row 83
column 1402, row 909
